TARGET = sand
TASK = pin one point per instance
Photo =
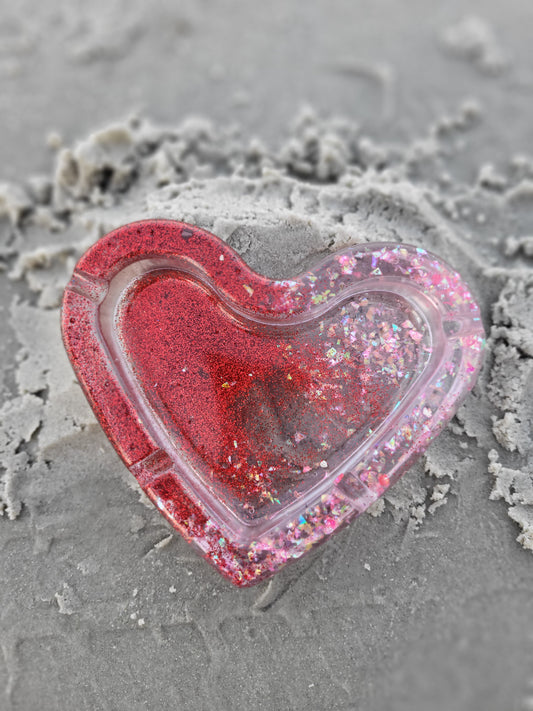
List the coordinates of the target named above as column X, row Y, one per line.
column 424, row 602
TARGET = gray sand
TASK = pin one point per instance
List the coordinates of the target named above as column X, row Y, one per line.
column 419, row 131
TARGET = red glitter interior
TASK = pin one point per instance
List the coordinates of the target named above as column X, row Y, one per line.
column 261, row 413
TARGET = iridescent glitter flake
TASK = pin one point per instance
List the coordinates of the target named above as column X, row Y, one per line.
column 260, row 415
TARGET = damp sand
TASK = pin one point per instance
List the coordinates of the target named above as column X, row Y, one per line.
column 104, row 607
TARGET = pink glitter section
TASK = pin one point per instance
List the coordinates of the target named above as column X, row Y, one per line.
column 260, row 416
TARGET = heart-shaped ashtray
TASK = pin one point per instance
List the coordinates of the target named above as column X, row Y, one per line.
column 259, row 415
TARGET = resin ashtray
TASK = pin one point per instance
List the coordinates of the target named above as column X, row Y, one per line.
column 258, row 415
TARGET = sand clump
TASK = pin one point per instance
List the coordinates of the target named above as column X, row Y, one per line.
column 328, row 185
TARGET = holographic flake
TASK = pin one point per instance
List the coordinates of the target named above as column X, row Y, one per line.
column 258, row 415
